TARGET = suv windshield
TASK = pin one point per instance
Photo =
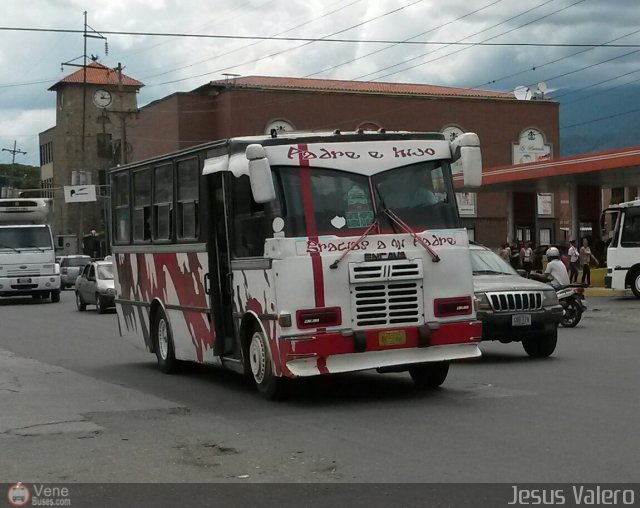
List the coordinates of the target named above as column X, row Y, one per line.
column 487, row 262
column 346, row 203
column 21, row 237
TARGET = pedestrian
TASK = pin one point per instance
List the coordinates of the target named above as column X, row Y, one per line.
column 505, row 252
column 585, row 261
column 515, row 256
column 574, row 258
column 526, row 257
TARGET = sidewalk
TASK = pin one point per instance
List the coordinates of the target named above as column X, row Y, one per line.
column 601, row 291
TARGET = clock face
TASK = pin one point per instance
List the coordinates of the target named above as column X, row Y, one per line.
column 102, row 98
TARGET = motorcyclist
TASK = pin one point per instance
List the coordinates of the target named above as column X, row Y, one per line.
column 556, row 273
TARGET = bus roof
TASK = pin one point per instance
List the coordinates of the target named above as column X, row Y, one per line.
column 239, row 144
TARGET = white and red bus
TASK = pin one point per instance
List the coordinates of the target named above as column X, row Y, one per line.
column 299, row 255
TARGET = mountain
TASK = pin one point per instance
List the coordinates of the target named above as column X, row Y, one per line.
column 594, row 120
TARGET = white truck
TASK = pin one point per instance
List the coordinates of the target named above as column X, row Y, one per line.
column 27, row 256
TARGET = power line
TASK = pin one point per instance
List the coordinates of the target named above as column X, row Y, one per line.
column 344, row 6
column 405, row 40
column 600, row 119
column 295, row 47
column 480, row 43
column 536, row 67
column 322, row 39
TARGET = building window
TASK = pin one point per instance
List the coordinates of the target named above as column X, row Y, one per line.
column 545, row 236
column 46, row 153
column 187, row 216
column 142, row 206
column 163, row 202
column 122, row 217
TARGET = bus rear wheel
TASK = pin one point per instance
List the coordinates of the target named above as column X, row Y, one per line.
column 270, row 386
column 163, row 342
column 429, row 375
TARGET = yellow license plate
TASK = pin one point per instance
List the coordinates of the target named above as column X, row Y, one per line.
column 392, row 338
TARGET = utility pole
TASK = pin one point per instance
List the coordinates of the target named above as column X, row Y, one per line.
column 14, row 152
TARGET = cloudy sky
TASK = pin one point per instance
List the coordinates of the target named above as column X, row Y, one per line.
column 503, row 48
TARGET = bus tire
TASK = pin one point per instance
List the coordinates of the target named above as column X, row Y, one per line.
column 80, row 302
column 270, row 386
column 634, row 281
column 55, row 295
column 163, row 343
column 429, row 375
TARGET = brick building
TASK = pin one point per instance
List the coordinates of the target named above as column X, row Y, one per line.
column 511, row 131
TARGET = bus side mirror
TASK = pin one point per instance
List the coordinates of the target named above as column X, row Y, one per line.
column 260, row 175
column 466, row 148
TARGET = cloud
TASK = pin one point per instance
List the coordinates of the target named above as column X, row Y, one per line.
column 31, row 60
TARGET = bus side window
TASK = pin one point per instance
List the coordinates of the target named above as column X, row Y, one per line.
column 142, row 205
column 187, row 216
column 249, row 220
column 122, row 218
column 163, row 202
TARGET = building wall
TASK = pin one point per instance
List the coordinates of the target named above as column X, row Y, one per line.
column 184, row 120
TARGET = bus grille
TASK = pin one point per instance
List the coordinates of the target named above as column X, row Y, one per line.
column 509, row 301
column 385, row 270
column 387, row 303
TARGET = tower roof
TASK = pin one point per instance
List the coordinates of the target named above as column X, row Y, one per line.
column 97, row 74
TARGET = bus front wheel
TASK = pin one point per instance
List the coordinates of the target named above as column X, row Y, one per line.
column 270, row 386
column 635, row 283
column 163, row 342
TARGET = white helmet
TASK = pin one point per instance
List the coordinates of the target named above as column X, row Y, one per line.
column 553, row 252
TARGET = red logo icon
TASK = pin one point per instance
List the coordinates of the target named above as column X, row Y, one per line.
column 18, row 494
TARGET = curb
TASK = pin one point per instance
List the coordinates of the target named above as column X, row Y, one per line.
column 606, row 292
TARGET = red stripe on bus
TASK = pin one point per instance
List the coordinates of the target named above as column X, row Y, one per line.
column 310, row 222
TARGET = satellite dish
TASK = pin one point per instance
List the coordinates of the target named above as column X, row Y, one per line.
column 542, row 87
column 521, row 93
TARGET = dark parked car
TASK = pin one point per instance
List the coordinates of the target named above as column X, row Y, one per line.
column 513, row 308
column 70, row 268
column 95, row 286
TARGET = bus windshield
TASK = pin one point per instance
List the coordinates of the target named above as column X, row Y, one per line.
column 347, row 203
column 24, row 238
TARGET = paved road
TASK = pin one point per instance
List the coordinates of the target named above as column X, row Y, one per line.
column 80, row 404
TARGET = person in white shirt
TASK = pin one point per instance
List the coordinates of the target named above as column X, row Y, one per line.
column 574, row 265
column 556, row 273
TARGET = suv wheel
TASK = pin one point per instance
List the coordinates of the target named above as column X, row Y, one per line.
column 541, row 347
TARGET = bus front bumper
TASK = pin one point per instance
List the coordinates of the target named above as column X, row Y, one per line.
column 335, row 352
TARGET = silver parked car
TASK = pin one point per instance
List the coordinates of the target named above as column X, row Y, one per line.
column 513, row 308
column 96, row 286
column 70, row 269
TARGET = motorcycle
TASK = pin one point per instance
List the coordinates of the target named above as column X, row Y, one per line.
column 573, row 304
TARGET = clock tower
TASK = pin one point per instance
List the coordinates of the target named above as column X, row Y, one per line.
column 93, row 106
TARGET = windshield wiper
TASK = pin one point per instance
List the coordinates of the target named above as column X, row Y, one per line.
column 486, row 272
column 335, row 264
column 434, row 255
column 34, row 247
column 3, row 246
